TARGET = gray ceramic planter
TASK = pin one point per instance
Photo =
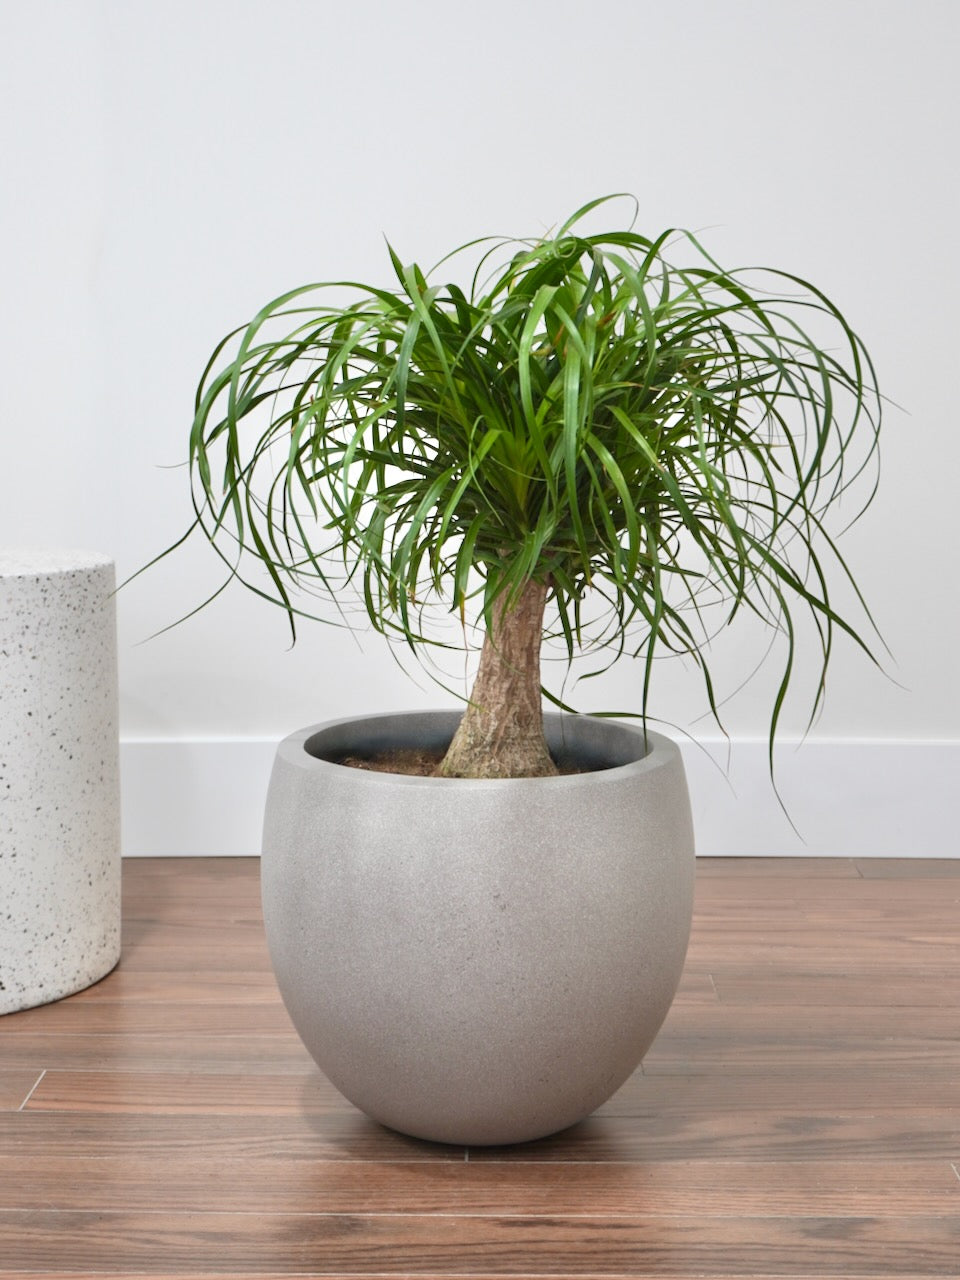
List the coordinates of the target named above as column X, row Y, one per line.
column 477, row 962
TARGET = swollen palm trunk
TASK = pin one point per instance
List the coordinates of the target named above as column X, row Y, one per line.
column 501, row 733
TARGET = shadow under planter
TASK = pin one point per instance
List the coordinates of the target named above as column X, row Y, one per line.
column 478, row 962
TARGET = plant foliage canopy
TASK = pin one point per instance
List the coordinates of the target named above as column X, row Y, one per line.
column 658, row 440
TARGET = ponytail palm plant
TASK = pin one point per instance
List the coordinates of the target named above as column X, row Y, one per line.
column 586, row 428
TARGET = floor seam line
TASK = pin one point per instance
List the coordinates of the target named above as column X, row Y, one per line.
column 33, row 1090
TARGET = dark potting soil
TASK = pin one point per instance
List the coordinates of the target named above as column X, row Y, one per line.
column 414, row 761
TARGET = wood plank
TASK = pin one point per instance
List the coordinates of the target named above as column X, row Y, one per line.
column 152, row 1274
column 699, row 1055
column 422, row 1244
column 864, row 918
column 777, row 868
column 750, row 1135
column 172, row 1184
column 803, row 1038
column 856, row 912
column 187, row 1093
column 755, row 1023
column 907, row 868
column 886, row 990
column 916, row 956
column 854, row 922
column 787, row 1021
column 127, row 983
column 15, row 1085
column 669, row 1135
column 191, row 875
column 345, row 1135
column 171, row 953
column 696, row 1037
column 112, row 1018
column 157, row 1051
column 789, row 875
column 309, row 1092
column 839, row 1091
column 191, row 924
column 811, row 966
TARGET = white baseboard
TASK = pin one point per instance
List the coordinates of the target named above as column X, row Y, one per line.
column 847, row 798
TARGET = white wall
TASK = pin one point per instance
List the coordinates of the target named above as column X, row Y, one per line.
column 168, row 167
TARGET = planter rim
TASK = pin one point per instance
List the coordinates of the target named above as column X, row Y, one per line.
column 661, row 753
column 49, row 562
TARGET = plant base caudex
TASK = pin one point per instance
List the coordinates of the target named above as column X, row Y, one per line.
column 501, row 733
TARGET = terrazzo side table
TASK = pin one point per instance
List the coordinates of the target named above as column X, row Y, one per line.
column 59, row 775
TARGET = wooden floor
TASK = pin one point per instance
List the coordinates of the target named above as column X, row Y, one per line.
column 799, row 1114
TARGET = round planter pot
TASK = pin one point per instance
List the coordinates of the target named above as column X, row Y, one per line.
column 59, row 775
column 477, row 961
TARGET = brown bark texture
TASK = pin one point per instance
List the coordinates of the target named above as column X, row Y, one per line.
column 501, row 733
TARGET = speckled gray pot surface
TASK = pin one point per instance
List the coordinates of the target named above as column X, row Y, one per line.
column 477, row 962
column 59, row 775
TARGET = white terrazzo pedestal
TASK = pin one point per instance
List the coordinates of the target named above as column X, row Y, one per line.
column 59, row 775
